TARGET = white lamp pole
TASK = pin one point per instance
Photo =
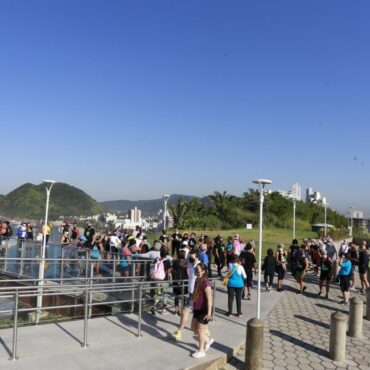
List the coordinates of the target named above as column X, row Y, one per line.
column 48, row 185
column 261, row 183
column 351, row 210
column 326, row 206
column 165, row 199
column 294, row 212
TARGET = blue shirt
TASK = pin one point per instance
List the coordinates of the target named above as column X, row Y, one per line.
column 235, row 280
column 346, row 268
column 204, row 258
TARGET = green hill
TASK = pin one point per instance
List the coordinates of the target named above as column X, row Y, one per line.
column 28, row 201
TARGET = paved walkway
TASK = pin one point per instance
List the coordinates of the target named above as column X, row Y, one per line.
column 297, row 333
column 113, row 343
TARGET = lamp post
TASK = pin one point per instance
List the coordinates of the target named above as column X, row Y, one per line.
column 165, row 200
column 294, row 212
column 325, row 204
column 261, row 183
column 351, row 214
column 48, row 185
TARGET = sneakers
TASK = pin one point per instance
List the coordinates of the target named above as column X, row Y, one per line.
column 228, row 314
column 319, row 293
column 177, row 335
column 152, row 311
column 208, row 344
column 249, row 297
column 327, row 296
column 239, row 315
column 198, row 354
column 304, row 288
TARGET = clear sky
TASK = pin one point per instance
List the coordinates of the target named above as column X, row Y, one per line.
column 133, row 99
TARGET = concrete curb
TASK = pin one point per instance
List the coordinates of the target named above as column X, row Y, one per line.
column 219, row 362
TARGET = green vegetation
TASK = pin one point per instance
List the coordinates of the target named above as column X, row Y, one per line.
column 228, row 212
column 28, row 201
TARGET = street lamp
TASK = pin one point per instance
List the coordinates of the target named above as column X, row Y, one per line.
column 352, row 208
column 294, row 211
column 165, row 200
column 261, row 183
column 48, row 185
column 325, row 204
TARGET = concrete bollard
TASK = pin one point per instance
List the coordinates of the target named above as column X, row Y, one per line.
column 338, row 329
column 356, row 313
column 368, row 303
column 254, row 345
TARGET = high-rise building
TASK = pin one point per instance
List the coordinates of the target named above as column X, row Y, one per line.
column 135, row 215
column 296, row 191
column 309, row 195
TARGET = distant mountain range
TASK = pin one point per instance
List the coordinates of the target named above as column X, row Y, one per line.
column 148, row 206
column 28, row 201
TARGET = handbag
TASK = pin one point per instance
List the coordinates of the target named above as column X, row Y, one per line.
column 227, row 277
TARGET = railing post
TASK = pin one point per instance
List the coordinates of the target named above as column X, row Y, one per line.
column 368, row 304
column 62, row 267
column 6, row 254
column 114, row 269
column 91, row 284
column 214, row 300
column 15, row 326
column 84, row 345
column 132, row 289
column 140, row 310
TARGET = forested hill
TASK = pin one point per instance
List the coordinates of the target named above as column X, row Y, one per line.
column 28, row 201
column 150, row 206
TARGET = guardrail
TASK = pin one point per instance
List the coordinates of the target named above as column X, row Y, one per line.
column 140, row 293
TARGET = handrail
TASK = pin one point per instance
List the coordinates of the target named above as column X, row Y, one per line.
column 88, row 291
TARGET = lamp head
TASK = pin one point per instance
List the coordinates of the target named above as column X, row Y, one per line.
column 262, row 182
column 165, row 197
column 48, row 183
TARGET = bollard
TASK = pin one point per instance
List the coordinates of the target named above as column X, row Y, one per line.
column 356, row 313
column 338, row 328
column 254, row 345
column 368, row 304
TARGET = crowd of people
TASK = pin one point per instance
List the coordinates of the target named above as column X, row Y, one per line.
column 178, row 257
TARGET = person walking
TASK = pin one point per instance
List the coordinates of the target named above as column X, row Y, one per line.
column 235, row 286
column 202, row 311
column 268, row 267
column 292, row 256
column 220, row 255
column 354, row 260
column 192, row 263
column 344, row 276
column 281, row 262
column 302, row 265
column 363, row 263
column 326, row 267
column 248, row 261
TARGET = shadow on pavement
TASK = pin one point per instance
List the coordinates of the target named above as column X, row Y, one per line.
column 312, row 321
column 301, row 343
column 70, row 334
column 331, row 308
column 7, row 349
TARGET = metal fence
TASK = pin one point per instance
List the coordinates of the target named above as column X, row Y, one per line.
column 134, row 293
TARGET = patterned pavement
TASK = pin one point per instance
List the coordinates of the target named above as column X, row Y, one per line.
column 297, row 332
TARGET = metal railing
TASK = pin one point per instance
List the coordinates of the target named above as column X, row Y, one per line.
column 138, row 293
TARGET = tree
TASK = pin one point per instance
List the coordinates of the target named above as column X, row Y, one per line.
column 179, row 212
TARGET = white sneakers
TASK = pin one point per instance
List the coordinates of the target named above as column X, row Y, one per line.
column 200, row 354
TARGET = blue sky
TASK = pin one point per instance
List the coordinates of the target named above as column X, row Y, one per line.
column 133, row 99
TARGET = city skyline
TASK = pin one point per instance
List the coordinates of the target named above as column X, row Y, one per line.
column 132, row 100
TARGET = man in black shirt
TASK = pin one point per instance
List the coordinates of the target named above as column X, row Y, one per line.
column 248, row 261
column 176, row 239
column 293, row 255
column 89, row 235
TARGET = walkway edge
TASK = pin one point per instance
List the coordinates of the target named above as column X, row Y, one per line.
column 219, row 362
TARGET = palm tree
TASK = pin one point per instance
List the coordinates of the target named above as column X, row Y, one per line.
column 179, row 212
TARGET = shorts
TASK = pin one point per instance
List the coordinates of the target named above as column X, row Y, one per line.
column 249, row 279
column 280, row 272
column 325, row 276
column 344, row 283
column 199, row 316
column 300, row 274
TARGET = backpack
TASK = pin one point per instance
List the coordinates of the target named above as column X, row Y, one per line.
column 158, row 271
